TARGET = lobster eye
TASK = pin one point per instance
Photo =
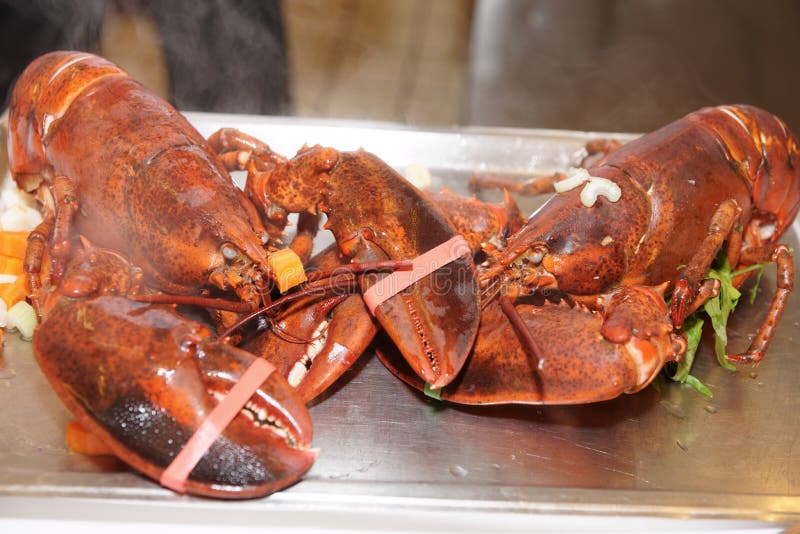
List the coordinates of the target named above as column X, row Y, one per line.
column 229, row 251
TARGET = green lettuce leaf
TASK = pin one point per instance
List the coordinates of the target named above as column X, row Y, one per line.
column 720, row 307
column 693, row 328
column 718, row 310
column 432, row 393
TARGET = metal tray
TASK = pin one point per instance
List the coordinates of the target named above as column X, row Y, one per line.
column 660, row 453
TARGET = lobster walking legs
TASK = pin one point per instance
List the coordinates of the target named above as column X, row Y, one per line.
column 782, row 257
column 722, row 228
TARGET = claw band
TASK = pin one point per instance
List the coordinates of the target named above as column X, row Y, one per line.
column 422, row 266
column 175, row 475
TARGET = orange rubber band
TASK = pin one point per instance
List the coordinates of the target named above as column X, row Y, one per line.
column 422, row 266
column 175, row 475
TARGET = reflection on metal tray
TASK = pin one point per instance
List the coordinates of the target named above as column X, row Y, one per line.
column 671, row 452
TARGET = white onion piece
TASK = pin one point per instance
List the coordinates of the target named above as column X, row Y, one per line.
column 22, row 317
column 575, row 177
column 3, row 314
column 599, row 186
column 8, row 278
column 20, row 218
column 767, row 231
column 419, row 175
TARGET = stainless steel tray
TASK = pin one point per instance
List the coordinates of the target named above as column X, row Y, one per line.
column 667, row 453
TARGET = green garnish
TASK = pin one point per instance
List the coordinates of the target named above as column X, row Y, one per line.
column 432, row 393
column 693, row 328
column 699, row 386
column 718, row 310
column 755, row 267
column 720, row 307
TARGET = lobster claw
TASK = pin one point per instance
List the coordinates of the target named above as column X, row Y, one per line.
column 148, row 381
column 434, row 321
column 314, row 341
column 582, row 356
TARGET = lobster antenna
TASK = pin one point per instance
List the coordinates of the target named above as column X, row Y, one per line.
column 356, row 268
column 519, row 325
column 195, row 300
column 350, row 285
column 285, row 335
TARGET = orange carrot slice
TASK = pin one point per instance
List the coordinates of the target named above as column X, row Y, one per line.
column 81, row 441
column 14, row 292
column 13, row 244
column 10, row 265
column 288, row 269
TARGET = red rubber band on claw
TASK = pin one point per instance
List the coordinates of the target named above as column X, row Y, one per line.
column 176, row 474
column 422, row 266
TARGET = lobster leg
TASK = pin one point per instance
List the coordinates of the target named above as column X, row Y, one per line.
column 781, row 256
column 539, row 185
column 434, row 321
column 35, row 253
column 376, row 215
column 143, row 379
column 594, row 147
column 483, row 225
column 236, row 148
column 150, row 403
column 303, row 241
column 685, row 292
column 66, row 205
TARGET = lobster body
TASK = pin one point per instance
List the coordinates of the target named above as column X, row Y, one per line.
column 114, row 164
column 581, row 367
column 672, row 182
column 145, row 181
column 720, row 175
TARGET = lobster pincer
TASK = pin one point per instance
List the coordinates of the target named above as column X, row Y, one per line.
column 143, row 379
column 374, row 214
column 313, row 341
column 579, row 355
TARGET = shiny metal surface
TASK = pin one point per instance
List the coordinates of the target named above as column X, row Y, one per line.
column 667, row 452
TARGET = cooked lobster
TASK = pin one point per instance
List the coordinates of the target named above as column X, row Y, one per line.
column 115, row 164
column 119, row 167
column 672, row 198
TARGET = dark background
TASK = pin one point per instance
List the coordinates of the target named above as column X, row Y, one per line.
column 609, row 65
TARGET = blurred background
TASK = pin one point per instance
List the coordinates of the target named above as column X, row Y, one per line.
column 603, row 65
